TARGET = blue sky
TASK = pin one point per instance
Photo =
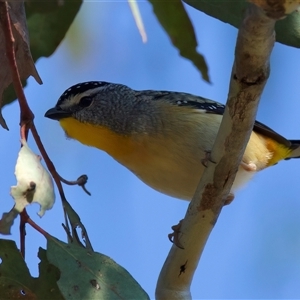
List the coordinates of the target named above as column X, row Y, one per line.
column 253, row 251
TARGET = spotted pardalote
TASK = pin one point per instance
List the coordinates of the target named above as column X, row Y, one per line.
column 160, row 136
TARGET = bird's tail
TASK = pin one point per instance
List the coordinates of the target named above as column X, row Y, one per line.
column 295, row 147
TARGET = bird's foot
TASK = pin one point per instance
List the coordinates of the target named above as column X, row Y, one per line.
column 229, row 199
column 174, row 236
column 250, row 166
column 207, row 158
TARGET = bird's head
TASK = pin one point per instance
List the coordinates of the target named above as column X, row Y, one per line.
column 96, row 103
column 96, row 112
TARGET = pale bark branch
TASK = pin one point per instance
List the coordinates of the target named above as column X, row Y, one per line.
column 250, row 72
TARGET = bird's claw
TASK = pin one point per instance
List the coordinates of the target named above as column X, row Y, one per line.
column 173, row 237
column 229, row 199
column 207, row 158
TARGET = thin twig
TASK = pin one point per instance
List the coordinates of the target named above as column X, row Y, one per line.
column 24, row 132
column 50, row 167
column 26, row 116
column 81, row 181
column 22, row 229
column 70, row 238
column 47, row 160
column 26, row 219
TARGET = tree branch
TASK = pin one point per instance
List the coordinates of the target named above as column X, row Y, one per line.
column 249, row 75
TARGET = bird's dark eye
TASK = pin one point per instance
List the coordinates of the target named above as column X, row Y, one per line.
column 85, row 101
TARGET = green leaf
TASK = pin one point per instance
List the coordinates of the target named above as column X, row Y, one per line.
column 176, row 22
column 46, row 285
column 287, row 30
column 90, row 275
column 16, row 281
column 48, row 24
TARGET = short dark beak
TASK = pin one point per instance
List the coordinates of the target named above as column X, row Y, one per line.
column 57, row 114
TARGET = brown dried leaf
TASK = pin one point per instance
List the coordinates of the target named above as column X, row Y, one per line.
column 22, row 49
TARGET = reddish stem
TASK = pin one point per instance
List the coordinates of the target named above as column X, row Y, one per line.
column 50, row 167
column 26, row 114
column 47, row 160
column 26, row 117
column 26, row 219
column 22, row 228
column 24, row 132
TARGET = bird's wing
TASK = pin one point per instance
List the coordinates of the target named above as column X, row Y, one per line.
column 210, row 106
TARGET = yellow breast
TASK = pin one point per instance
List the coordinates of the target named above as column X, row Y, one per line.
column 98, row 136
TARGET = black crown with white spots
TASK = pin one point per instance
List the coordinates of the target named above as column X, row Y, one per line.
column 80, row 88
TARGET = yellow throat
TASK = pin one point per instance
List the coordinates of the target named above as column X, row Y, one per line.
column 97, row 136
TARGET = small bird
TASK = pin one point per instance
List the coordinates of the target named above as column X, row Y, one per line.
column 160, row 136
